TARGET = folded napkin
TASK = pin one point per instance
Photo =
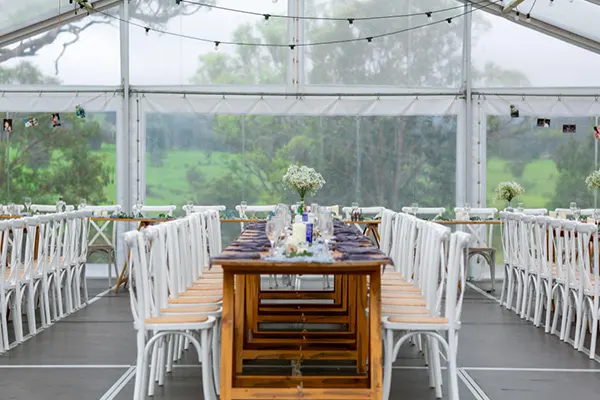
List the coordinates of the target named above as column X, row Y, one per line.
column 234, row 256
column 364, row 257
column 362, row 250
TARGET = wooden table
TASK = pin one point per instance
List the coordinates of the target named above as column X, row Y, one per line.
column 242, row 338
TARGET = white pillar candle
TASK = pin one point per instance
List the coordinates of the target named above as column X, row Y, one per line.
column 299, row 232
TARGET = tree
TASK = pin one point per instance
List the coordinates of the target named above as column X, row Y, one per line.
column 154, row 14
column 43, row 162
column 387, row 161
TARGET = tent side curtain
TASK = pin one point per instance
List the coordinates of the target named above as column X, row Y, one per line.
column 315, row 106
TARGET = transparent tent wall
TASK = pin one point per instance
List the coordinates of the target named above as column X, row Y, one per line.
column 224, row 159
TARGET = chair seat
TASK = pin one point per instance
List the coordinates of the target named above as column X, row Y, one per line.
column 189, row 309
column 176, row 319
column 394, row 282
column 100, row 247
column 400, row 295
column 196, row 300
column 410, row 319
column 205, row 287
column 203, row 293
column 393, row 310
column 400, row 289
column 403, row 302
column 208, row 281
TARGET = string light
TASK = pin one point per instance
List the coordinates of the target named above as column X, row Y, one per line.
column 369, row 39
column 325, row 18
column 551, row 3
column 350, row 21
column 528, row 19
column 429, row 16
column 517, row 16
column 267, row 18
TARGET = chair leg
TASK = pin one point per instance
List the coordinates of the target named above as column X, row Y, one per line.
column 387, row 363
column 504, row 285
column 207, row 379
column 492, row 262
column 216, row 355
column 452, row 367
column 594, row 335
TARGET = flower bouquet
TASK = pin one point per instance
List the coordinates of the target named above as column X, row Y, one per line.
column 593, row 180
column 303, row 180
column 507, row 191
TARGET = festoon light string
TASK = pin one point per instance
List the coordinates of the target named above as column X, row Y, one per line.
column 85, row 4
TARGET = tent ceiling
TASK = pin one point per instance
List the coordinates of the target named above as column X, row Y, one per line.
column 22, row 19
column 574, row 23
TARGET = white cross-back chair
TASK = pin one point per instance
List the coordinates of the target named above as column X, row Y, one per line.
column 155, row 329
column 590, row 277
column 197, row 209
column 251, row 211
column 49, row 208
column 103, row 236
column 535, row 211
column 482, row 238
column 168, row 210
column 372, row 212
column 432, row 212
column 585, row 212
column 438, row 275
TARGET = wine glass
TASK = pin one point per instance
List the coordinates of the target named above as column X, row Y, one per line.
column 10, row 208
column 467, row 208
column 520, row 207
column 326, row 229
column 314, row 208
column 414, row 208
column 577, row 213
column 272, row 234
column 189, row 207
column 573, row 206
column 27, row 202
column 82, row 203
column 243, row 207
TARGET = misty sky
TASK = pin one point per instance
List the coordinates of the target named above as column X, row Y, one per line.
column 164, row 60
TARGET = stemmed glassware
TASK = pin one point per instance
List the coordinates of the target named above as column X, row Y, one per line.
column 577, row 213
column 414, row 208
column 573, row 207
column 273, row 230
column 243, row 208
column 520, row 207
column 467, row 211
column 82, row 203
column 189, row 207
column 325, row 227
column 27, row 202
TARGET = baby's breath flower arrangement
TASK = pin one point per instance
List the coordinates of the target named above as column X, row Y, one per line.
column 507, row 191
column 593, row 180
column 303, row 180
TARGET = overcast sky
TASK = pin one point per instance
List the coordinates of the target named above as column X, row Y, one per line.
column 161, row 60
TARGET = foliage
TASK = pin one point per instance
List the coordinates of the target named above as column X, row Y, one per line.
column 43, row 162
column 508, row 191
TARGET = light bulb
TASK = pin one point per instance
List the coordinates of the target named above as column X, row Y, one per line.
column 429, row 19
column 551, row 3
column 528, row 19
column 217, row 46
column 517, row 16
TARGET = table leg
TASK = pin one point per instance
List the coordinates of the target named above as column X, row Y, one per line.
column 227, row 349
column 123, row 278
column 375, row 356
column 239, row 330
column 362, row 331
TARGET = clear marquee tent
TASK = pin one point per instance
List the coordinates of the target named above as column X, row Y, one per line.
column 420, row 115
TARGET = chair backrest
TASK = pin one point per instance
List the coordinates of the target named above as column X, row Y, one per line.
column 140, row 287
column 102, row 232
column 427, row 211
column 456, row 276
column 543, row 251
column 169, row 210
column 386, row 228
column 197, row 209
column 482, row 236
column 535, row 211
column 365, row 211
column 48, row 208
column 587, row 247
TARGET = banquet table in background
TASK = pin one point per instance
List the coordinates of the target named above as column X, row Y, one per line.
column 256, row 329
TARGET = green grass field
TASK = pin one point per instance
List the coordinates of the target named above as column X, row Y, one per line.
column 539, row 179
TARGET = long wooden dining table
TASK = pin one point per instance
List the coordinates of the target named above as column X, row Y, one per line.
column 256, row 329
